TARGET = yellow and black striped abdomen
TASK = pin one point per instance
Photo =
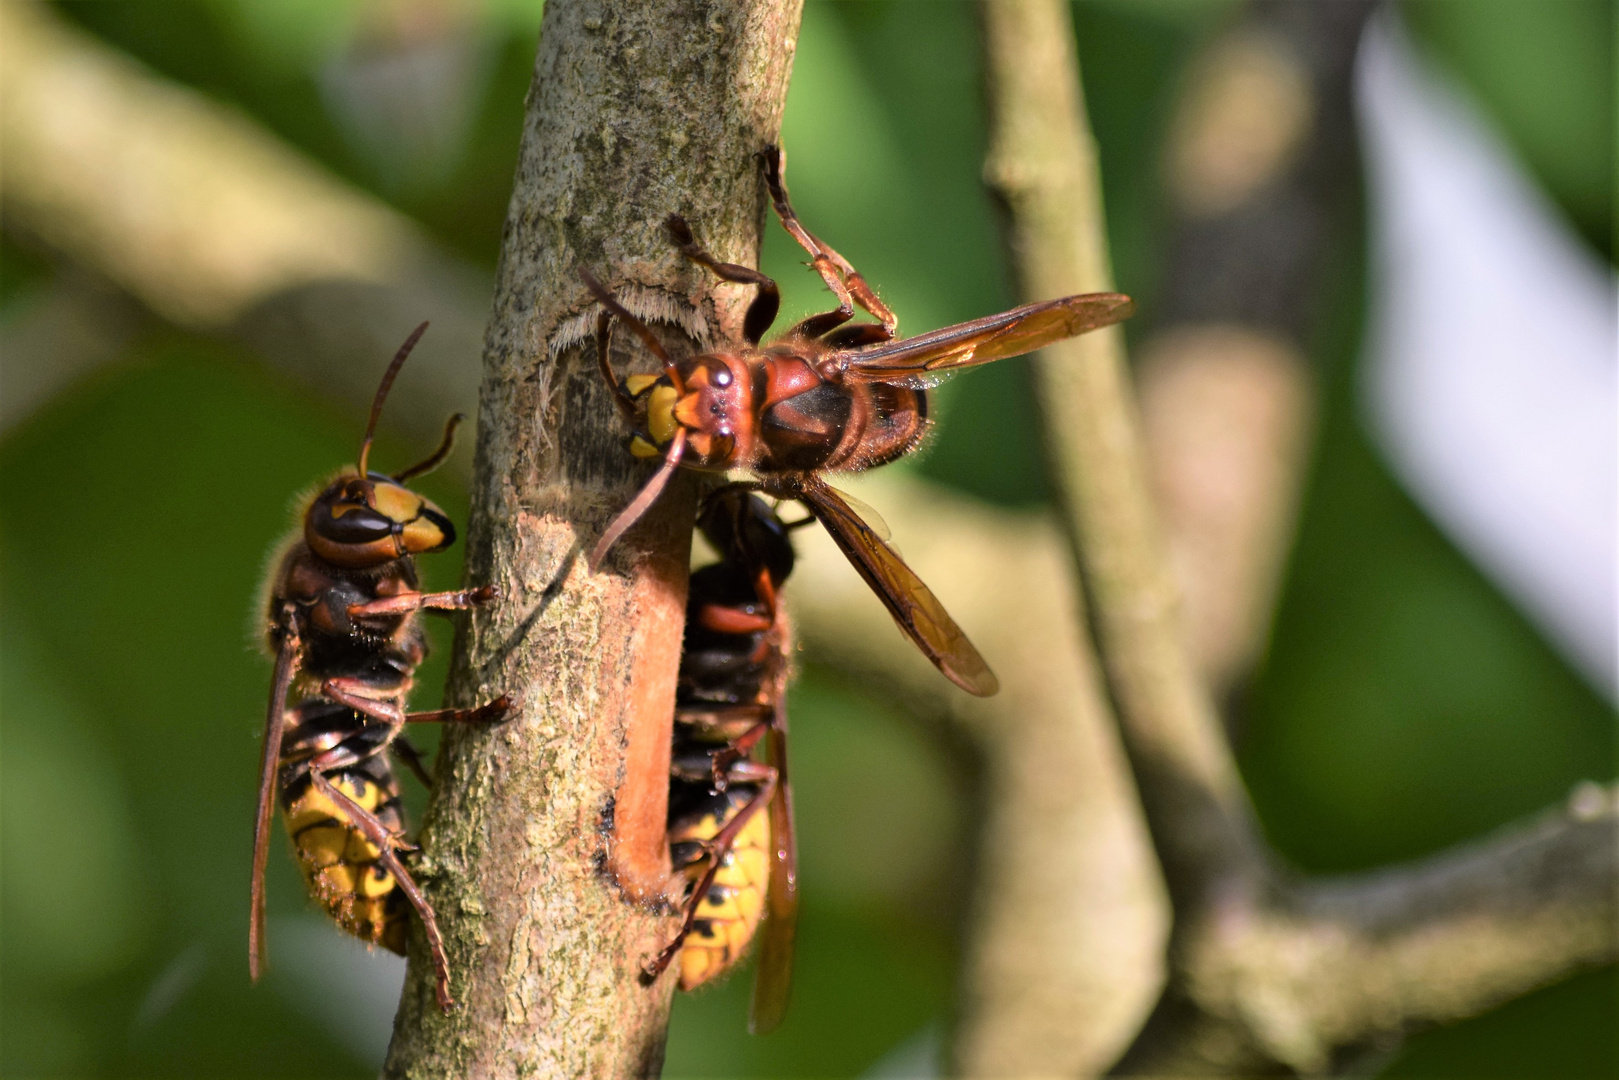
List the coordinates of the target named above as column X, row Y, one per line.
column 728, row 915
column 340, row 866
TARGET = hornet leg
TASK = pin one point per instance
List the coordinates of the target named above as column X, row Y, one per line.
column 762, row 312
column 379, row 834
column 715, row 851
column 844, row 280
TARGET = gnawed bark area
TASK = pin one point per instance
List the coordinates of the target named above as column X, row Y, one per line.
column 635, row 111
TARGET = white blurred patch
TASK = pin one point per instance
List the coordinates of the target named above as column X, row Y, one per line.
column 917, row 1058
column 349, row 990
column 172, row 984
column 1492, row 360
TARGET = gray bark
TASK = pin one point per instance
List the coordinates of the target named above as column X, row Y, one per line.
column 635, row 111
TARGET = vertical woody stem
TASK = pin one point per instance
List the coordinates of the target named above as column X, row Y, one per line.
column 1042, row 162
column 635, row 111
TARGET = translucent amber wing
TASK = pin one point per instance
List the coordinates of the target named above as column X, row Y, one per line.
column 275, row 723
column 774, row 982
column 995, row 337
column 912, row 604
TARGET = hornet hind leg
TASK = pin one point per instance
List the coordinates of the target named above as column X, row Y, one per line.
column 843, row 279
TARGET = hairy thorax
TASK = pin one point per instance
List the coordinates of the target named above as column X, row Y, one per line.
column 380, row 650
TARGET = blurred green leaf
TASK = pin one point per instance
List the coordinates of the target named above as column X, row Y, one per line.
column 861, row 985
column 1405, row 704
column 520, row 17
column 75, row 902
column 1564, row 1031
column 292, row 36
column 22, row 273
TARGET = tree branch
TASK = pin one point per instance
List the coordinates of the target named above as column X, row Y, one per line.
column 217, row 226
column 1451, row 936
column 635, row 111
column 1042, row 164
column 1323, row 973
column 1265, row 973
column 1063, row 939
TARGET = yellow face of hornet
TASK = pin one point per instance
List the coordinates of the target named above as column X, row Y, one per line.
column 658, row 399
column 358, row 524
column 707, row 411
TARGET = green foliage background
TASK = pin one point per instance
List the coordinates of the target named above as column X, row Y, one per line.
column 1404, row 704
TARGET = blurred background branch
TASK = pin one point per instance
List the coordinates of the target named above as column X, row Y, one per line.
column 1259, row 174
column 1066, row 920
column 1042, row 164
column 214, row 224
column 1264, row 973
